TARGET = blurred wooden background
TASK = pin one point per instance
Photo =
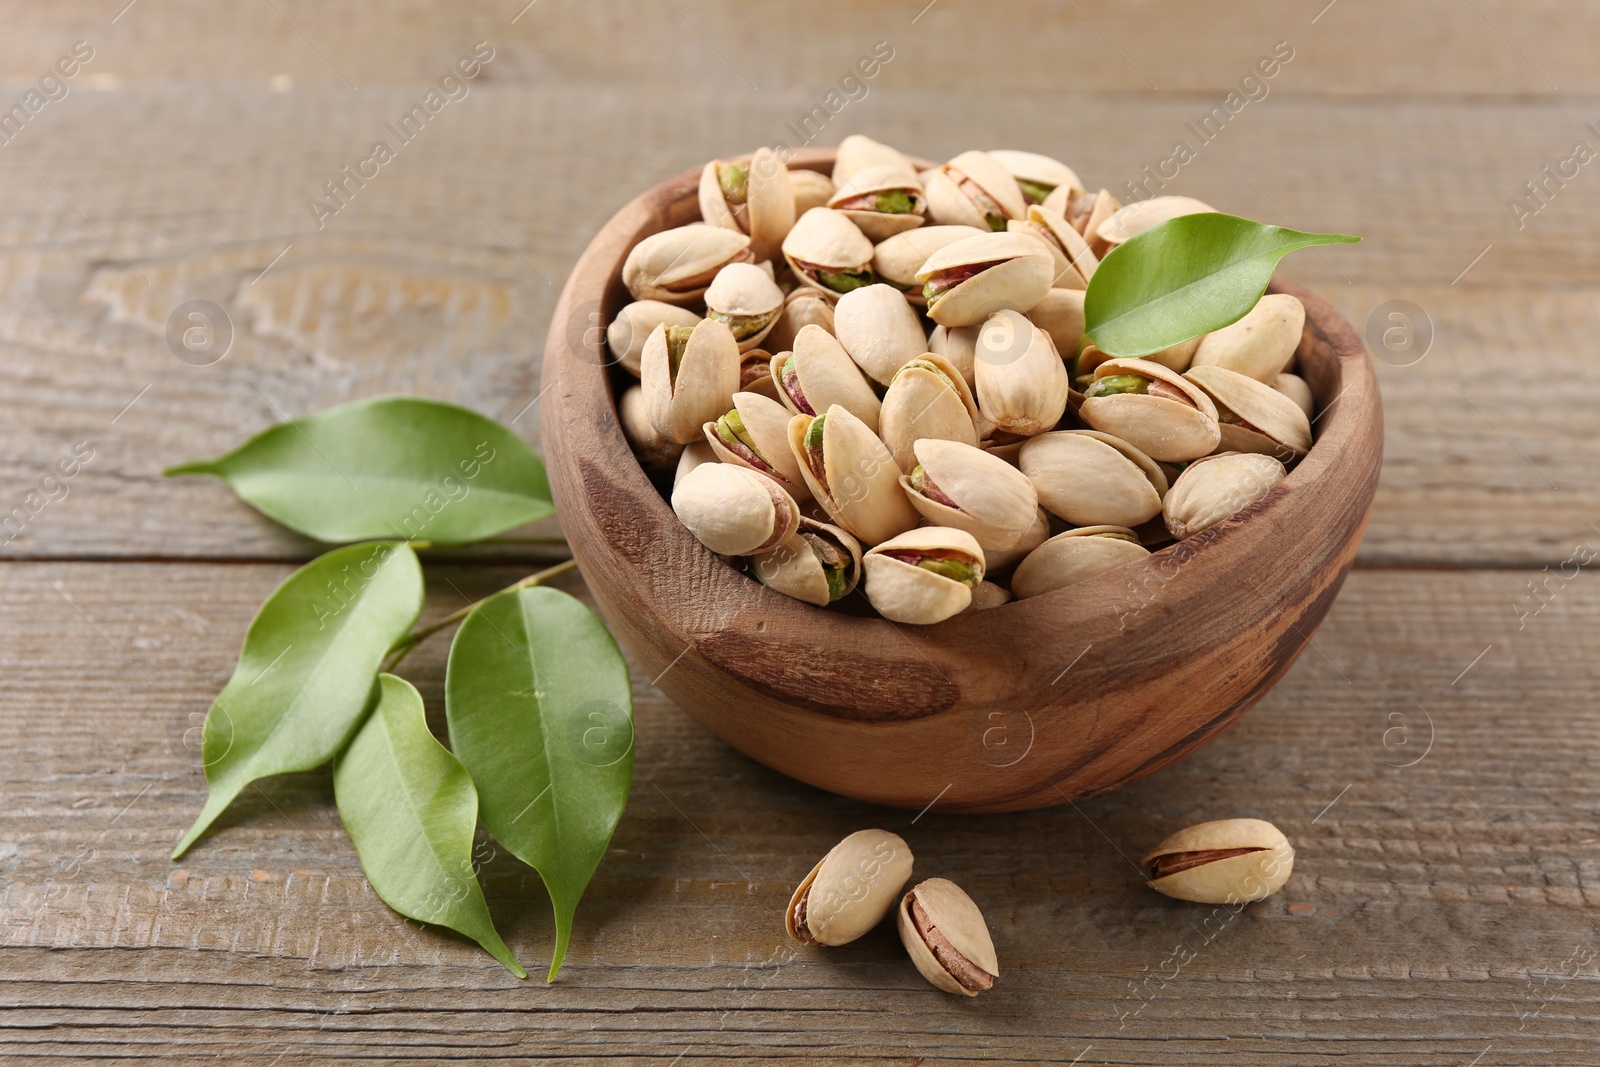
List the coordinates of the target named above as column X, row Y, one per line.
column 1433, row 758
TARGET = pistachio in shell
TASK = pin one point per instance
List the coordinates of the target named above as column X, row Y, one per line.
column 973, row 189
column 746, row 300
column 627, row 333
column 754, row 433
column 969, row 280
column 961, row 486
column 1101, row 208
column 1060, row 314
column 882, row 200
column 828, row 252
column 1037, row 176
column 819, row 563
column 1022, row 383
column 753, row 197
column 1297, row 389
column 1214, row 487
column 1089, row 478
column 1075, row 556
column 944, row 933
column 654, row 450
column 850, row 890
column 811, row 189
column 851, row 474
column 689, row 375
column 801, row 308
column 923, row 576
column 1129, row 222
column 676, row 266
column 693, row 455
column 879, row 330
column 818, row 374
column 1075, row 263
column 857, row 152
column 986, row 595
column 1000, row 559
column 1156, row 410
column 1228, row 861
column 896, row 260
column 1254, row 417
column 927, row 398
column 734, row 511
column 755, row 373
column 958, row 345
column 1260, row 344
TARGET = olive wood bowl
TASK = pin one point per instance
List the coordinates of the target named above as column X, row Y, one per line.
column 1023, row 706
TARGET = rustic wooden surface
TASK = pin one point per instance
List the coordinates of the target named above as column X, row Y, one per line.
column 1441, row 912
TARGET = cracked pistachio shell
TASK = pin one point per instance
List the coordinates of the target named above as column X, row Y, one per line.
column 732, row 510
column 795, row 569
column 860, row 484
column 826, row 241
column 850, row 890
column 927, row 398
column 693, row 455
column 1089, row 478
column 1214, row 487
column 993, row 501
column 1129, row 222
column 824, row 375
column 1015, row 275
column 707, row 375
column 677, row 265
column 857, row 153
column 1178, row 426
column 1259, row 345
column 1001, row 558
column 1060, row 314
column 956, row 926
column 1296, row 388
column 1228, row 861
column 801, row 308
column 1176, row 358
column 1101, row 208
column 755, row 373
column 879, row 330
column 1267, row 421
column 744, row 298
column 627, row 333
column 897, row 259
column 810, row 190
column 1075, row 264
column 767, row 211
column 654, row 451
column 959, row 345
column 953, row 202
column 905, row 592
column 1075, row 556
column 1041, row 172
column 882, row 178
column 1022, row 383
column 766, row 424
column 986, row 595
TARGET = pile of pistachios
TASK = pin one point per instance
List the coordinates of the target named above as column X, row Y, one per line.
column 879, row 380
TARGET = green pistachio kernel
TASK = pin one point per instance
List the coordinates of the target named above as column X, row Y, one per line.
column 1035, row 191
column 814, row 432
column 996, row 222
column 846, row 280
column 741, row 326
column 1117, row 383
column 895, row 202
column 677, row 340
column 735, row 181
column 919, row 477
column 835, row 563
column 954, row 569
column 731, row 429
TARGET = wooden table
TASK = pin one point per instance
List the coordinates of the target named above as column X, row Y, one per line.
column 1433, row 758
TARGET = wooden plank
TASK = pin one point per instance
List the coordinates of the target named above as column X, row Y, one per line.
column 1439, row 910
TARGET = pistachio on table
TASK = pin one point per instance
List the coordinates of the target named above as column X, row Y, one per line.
column 1214, row 487
column 818, row 563
column 1228, row 861
column 945, row 935
column 923, row 575
column 733, row 510
column 850, row 890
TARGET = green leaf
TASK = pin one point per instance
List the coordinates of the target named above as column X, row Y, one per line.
column 391, row 467
column 1188, row 276
column 305, row 673
column 411, row 810
column 541, row 713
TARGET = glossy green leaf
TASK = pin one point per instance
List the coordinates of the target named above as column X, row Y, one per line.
column 411, row 810
column 1188, row 276
column 305, row 674
column 541, row 714
column 391, row 467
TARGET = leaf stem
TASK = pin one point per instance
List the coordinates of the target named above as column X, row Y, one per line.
column 400, row 648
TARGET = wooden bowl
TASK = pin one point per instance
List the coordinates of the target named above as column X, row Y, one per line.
column 1023, row 706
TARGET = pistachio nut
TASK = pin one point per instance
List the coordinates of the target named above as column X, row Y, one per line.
column 968, row 280
column 927, row 398
column 1101, row 208
column 1254, row 417
column 818, row 374
column 811, row 189
column 734, row 511
column 801, row 308
column 897, row 259
column 987, row 595
column 1038, row 176
column 923, row 576
column 1075, row 556
column 827, row 252
column 1141, row 215
column 746, row 300
column 1075, row 264
column 1262, row 343
column 973, row 189
column 882, row 200
column 1022, row 383
column 1089, row 357
column 1229, row 861
column 1154, row 409
column 959, row 346
column 755, row 373
column 963, row 487
column 754, row 433
column 1060, row 314
column 1089, row 478
column 693, row 455
column 879, row 329
column 754, row 198
column 1214, row 487
column 944, row 933
column 654, row 450
column 857, row 153
column 689, row 376
column 850, row 890
column 677, row 265
column 1295, row 388
column 999, row 559
column 851, row 474
column 626, row 334
column 818, row 563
